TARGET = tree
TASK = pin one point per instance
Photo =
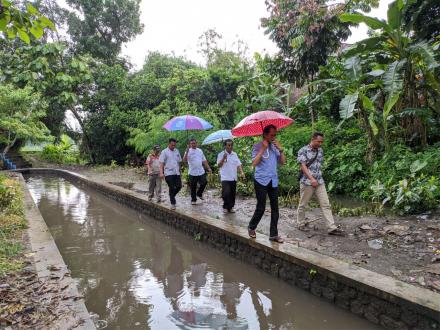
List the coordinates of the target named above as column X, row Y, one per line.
column 99, row 28
column 23, row 23
column 306, row 32
column 21, row 111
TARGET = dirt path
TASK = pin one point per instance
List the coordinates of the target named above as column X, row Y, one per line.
column 407, row 248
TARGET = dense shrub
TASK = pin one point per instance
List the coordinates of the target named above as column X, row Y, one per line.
column 64, row 152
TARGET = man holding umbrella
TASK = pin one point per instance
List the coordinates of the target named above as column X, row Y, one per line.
column 266, row 155
column 197, row 176
column 228, row 162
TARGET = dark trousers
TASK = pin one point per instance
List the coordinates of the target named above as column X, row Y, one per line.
column 193, row 181
column 261, row 192
column 174, row 183
column 229, row 189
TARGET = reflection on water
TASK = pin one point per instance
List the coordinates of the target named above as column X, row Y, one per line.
column 137, row 273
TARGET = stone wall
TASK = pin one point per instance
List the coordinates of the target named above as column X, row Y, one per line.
column 380, row 299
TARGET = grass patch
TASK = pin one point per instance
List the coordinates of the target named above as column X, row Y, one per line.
column 12, row 222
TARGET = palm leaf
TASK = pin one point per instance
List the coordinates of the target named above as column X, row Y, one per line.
column 424, row 50
column 353, row 67
column 347, row 104
column 371, row 22
column 393, row 78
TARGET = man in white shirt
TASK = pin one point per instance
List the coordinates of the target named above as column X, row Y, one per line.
column 228, row 162
column 197, row 176
column 170, row 160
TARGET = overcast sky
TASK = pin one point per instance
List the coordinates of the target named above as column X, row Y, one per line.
column 175, row 26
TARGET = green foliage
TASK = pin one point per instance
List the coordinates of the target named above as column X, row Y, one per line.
column 22, row 23
column 64, row 152
column 21, row 111
column 307, row 34
column 11, row 224
column 413, row 185
column 99, row 28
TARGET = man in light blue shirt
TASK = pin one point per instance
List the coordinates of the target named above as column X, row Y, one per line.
column 266, row 155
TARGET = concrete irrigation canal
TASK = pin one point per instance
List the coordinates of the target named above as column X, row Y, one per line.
column 137, row 272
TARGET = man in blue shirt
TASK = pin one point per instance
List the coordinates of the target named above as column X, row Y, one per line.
column 266, row 155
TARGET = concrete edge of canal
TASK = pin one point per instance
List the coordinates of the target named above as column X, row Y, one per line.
column 380, row 299
column 49, row 265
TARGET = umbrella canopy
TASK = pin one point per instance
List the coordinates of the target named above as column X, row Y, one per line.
column 186, row 123
column 254, row 124
column 218, row 136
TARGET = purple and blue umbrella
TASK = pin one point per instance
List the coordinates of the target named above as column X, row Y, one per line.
column 186, row 123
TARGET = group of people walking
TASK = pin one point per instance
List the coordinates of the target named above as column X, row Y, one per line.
column 267, row 155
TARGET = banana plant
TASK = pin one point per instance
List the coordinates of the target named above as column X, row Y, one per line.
column 409, row 65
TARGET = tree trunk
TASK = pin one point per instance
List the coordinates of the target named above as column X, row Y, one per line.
column 86, row 136
column 9, row 146
column 371, row 147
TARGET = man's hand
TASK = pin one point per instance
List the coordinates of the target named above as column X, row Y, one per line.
column 161, row 175
column 242, row 175
column 314, row 183
column 209, row 170
column 265, row 144
column 225, row 156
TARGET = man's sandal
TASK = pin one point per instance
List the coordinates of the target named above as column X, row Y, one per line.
column 337, row 232
column 277, row 239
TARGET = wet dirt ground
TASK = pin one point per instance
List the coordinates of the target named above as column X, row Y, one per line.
column 406, row 248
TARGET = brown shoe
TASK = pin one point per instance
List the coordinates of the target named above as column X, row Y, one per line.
column 277, row 239
column 252, row 233
column 337, row 232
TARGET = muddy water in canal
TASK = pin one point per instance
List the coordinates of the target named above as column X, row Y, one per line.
column 136, row 273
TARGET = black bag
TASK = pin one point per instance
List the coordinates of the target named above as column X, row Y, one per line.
column 310, row 162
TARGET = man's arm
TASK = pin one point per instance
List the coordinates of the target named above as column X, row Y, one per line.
column 257, row 159
column 206, row 164
column 282, row 156
column 221, row 160
column 162, row 170
column 302, row 159
column 240, row 168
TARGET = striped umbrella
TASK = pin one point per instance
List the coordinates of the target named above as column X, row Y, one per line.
column 254, row 124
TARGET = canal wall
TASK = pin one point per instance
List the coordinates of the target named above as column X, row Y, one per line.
column 383, row 300
column 52, row 270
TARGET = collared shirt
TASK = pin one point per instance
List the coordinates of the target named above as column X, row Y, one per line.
column 195, row 162
column 266, row 170
column 305, row 155
column 171, row 160
column 153, row 161
column 228, row 171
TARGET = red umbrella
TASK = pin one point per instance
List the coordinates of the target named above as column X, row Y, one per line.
column 254, row 124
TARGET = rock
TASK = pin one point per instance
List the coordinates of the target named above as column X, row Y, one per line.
column 421, row 280
column 326, row 243
column 433, row 269
column 365, row 227
column 376, row 243
column 435, row 284
column 396, row 272
column 398, row 230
